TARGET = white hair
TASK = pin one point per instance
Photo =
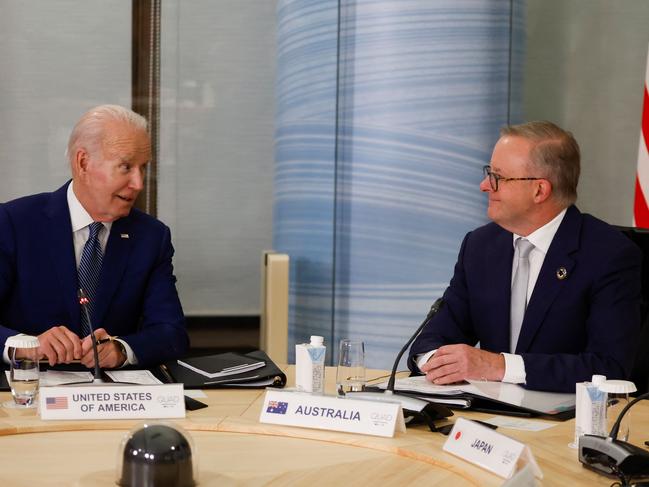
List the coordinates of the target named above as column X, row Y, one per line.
column 89, row 130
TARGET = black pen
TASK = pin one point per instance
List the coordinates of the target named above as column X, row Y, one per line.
column 166, row 374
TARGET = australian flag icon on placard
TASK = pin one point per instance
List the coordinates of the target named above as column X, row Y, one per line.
column 277, row 407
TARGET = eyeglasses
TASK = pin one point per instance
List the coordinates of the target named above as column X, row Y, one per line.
column 494, row 178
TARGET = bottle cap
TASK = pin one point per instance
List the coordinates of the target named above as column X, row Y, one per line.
column 598, row 379
column 617, row 386
column 22, row 341
column 317, row 340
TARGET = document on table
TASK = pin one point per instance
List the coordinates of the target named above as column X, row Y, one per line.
column 66, row 377
column 133, row 376
column 512, row 394
column 60, row 378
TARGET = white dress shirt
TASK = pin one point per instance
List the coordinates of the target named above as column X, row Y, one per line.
column 81, row 221
column 541, row 238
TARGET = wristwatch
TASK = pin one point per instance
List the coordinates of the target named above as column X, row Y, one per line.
column 122, row 349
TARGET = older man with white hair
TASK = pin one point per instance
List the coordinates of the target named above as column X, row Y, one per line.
column 87, row 235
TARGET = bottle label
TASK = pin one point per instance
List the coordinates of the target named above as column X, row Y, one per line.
column 317, row 354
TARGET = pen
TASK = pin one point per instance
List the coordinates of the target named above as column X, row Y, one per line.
column 166, row 374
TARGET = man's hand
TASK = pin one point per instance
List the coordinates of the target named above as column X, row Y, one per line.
column 59, row 345
column 110, row 353
column 455, row 363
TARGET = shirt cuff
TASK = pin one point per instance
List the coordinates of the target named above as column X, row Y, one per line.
column 422, row 358
column 131, row 359
column 514, row 369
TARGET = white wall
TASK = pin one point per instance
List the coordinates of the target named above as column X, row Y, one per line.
column 585, row 70
column 57, row 60
column 216, row 157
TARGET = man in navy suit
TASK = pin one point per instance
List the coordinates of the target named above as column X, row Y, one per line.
column 136, row 312
column 580, row 301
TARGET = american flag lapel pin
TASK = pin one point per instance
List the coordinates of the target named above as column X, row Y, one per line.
column 124, row 235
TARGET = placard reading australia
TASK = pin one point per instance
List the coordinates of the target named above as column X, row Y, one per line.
column 331, row 413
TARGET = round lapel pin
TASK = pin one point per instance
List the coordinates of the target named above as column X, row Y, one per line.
column 562, row 273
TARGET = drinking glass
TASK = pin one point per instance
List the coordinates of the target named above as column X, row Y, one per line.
column 618, row 398
column 23, row 373
column 350, row 375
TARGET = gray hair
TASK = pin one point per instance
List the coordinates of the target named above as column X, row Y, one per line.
column 555, row 153
column 89, row 130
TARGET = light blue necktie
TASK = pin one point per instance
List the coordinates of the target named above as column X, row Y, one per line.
column 518, row 303
column 89, row 269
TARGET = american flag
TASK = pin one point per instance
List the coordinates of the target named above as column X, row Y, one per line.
column 277, row 407
column 59, row 402
column 641, row 203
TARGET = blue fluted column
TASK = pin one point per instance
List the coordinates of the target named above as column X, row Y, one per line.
column 386, row 111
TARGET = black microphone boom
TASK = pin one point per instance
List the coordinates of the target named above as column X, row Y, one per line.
column 83, row 301
column 412, row 406
column 432, row 312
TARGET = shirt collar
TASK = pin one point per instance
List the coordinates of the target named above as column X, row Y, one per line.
column 79, row 217
column 542, row 237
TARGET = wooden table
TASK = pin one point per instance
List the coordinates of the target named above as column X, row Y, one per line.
column 233, row 448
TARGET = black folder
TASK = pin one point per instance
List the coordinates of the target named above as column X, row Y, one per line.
column 545, row 405
column 268, row 376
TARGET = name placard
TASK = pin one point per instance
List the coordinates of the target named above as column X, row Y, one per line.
column 489, row 449
column 112, row 402
column 332, row 413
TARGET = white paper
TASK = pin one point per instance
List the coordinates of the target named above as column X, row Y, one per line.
column 133, row 376
column 419, row 383
column 195, row 393
column 519, row 423
column 539, row 401
column 60, row 377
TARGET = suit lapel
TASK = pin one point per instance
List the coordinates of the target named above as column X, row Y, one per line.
column 61, row 249
column 548, row 285
column 113, row 266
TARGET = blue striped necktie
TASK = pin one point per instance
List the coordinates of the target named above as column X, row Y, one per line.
column 89, row 269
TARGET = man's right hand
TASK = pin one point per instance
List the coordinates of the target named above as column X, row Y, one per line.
column 59, row 345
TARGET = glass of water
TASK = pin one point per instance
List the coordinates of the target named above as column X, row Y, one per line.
column 350, row 375
column 23, row 375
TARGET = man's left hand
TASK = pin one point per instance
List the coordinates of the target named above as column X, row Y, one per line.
column 110, row 353
column 455, row 363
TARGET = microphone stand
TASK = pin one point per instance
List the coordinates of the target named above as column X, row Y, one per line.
column 412, row 406
column 83, row 301
column 614, row 457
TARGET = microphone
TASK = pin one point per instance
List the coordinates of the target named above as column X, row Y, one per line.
column 412, row 406
column 432, row 312
column 611, row 456
column 83, row 301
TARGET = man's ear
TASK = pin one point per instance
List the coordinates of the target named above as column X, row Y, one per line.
column 80, row 163
column 542, row 190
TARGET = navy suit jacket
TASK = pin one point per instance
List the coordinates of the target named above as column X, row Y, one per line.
column 136, row 298
column 587, row 323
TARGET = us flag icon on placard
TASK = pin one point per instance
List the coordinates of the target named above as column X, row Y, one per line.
column 277, row 407
column 59, row 402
